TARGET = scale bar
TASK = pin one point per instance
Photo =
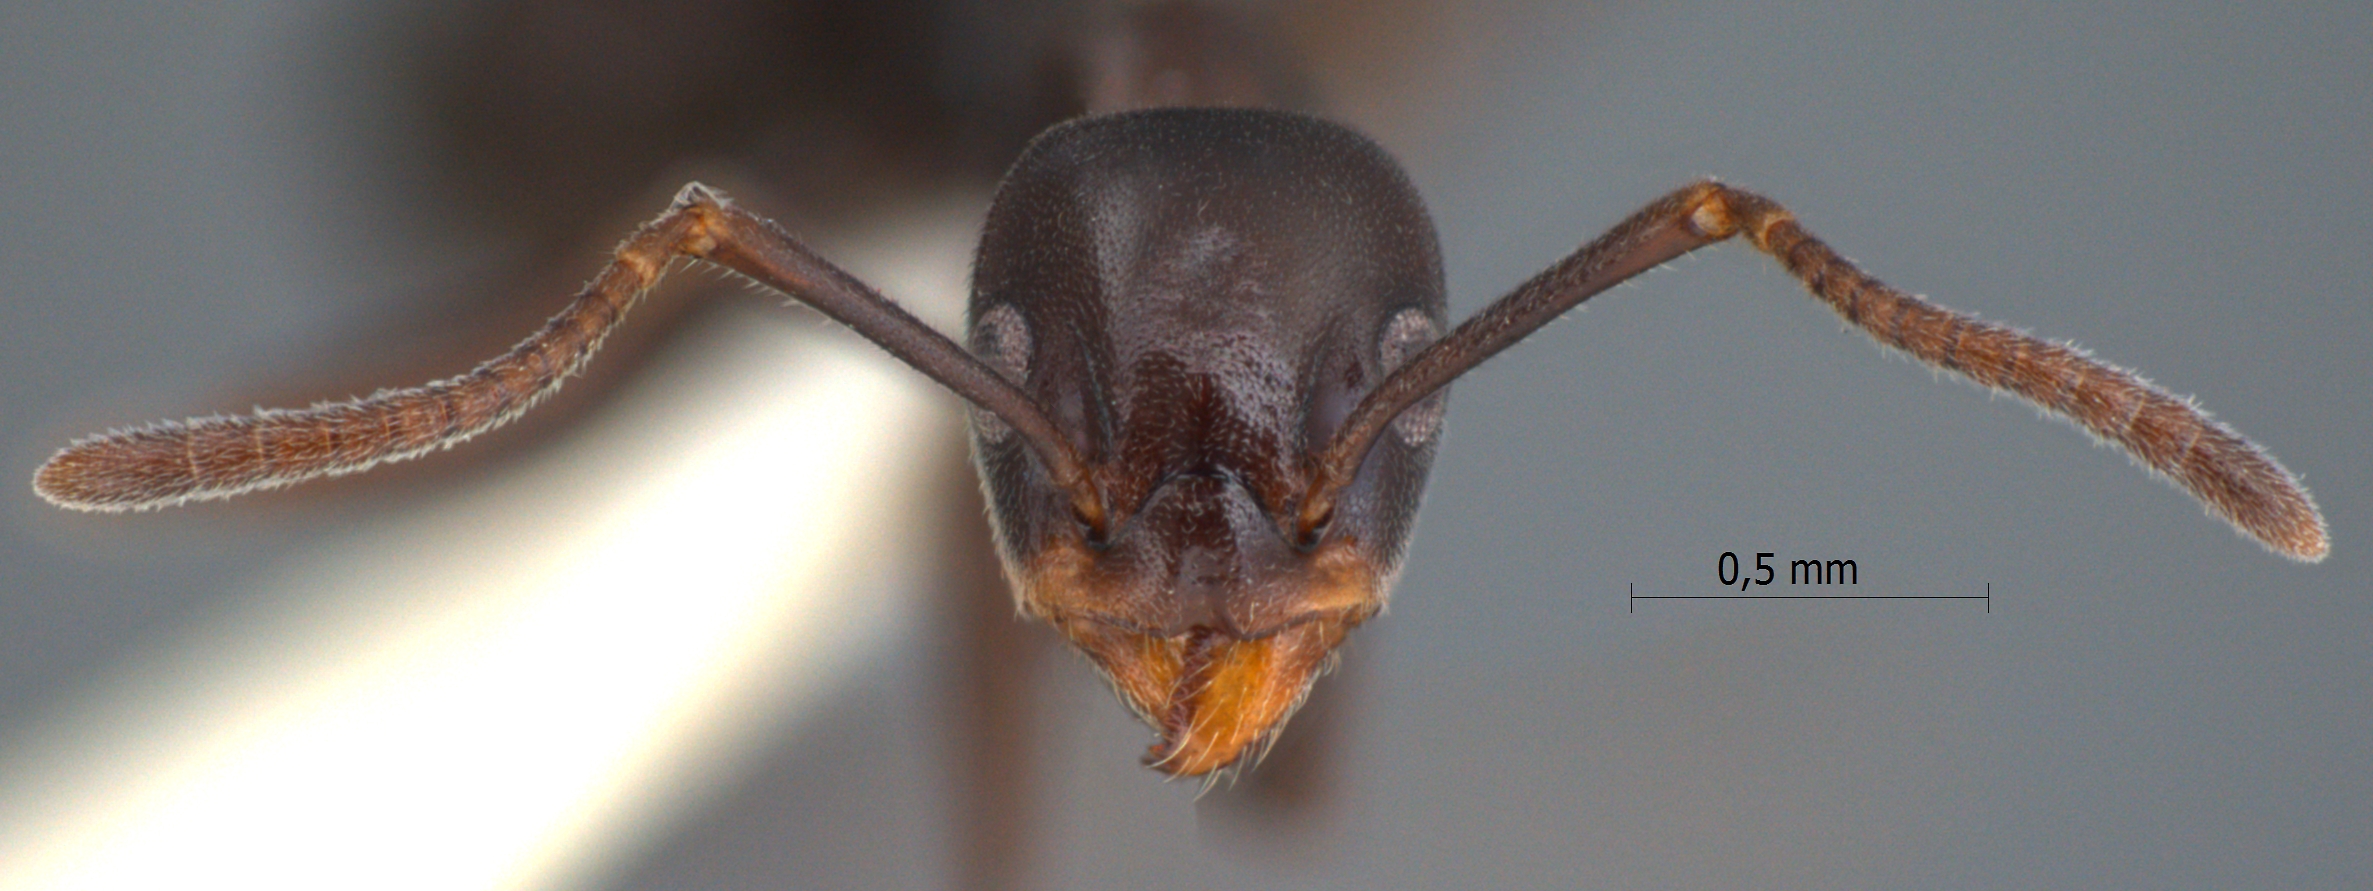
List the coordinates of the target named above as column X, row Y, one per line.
column 1632, row 597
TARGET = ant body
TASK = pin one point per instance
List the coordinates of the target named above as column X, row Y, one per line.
column 1191, row 331
column 1169, row 752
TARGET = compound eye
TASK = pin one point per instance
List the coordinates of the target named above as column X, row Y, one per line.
column 1406, row 334
column 1001, row 339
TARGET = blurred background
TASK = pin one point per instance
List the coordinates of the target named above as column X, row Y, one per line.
column 688, row 630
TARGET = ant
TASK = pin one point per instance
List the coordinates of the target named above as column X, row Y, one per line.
column 1208, row 352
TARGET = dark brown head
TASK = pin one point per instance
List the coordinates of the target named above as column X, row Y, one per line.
column 1198, row 298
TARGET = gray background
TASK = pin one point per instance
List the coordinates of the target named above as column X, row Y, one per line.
column 194, row 198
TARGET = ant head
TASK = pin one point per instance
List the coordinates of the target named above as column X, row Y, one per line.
column 1198, row 298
